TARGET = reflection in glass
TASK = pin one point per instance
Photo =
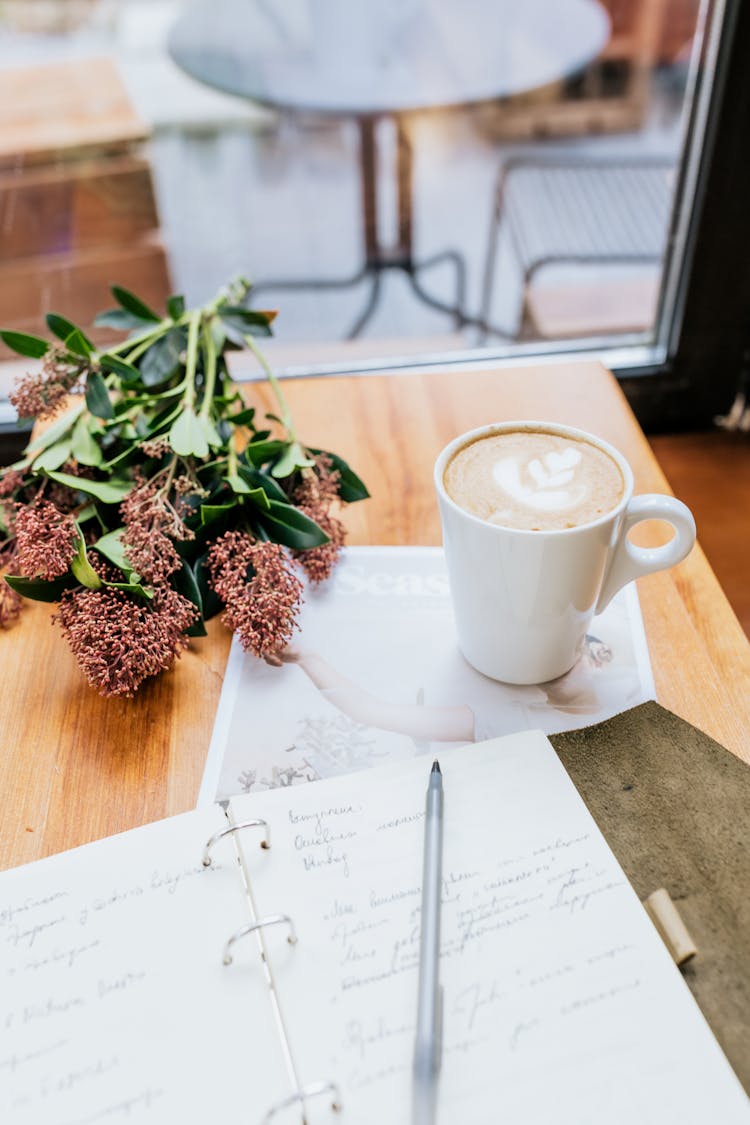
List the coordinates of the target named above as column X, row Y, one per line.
column 421, row 176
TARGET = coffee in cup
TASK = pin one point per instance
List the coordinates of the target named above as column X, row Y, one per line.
column 536, row 520
column 534, row 479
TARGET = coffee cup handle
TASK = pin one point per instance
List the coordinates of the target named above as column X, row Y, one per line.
column 629, row 562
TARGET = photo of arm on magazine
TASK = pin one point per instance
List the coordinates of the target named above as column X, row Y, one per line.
column 375, row 674
column 577, row 692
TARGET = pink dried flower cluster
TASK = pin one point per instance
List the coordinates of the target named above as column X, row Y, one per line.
column 315, row 494
column 119, row 641
column 156, row 447
column 151, row 527
column 10, row 481
column 261, row 594
column 322, row 481
column 185, row 485
column 8, row 509
column 185, row 488
column 10, row 604
column 45, row 540
column 40, row 393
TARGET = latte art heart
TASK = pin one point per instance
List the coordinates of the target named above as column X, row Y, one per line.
column 534, row 480
column 547, row 491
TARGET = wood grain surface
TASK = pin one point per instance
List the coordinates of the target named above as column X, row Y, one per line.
column 75, row 767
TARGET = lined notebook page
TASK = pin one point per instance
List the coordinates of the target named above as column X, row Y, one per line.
column 114, row 1003
column 561, row 1004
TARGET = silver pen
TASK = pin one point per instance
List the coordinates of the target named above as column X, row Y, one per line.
column 428, row 1045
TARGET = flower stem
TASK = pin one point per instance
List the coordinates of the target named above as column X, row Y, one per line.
column 209, row 351
column 170, row 475
column 191, row 360
column 232, row 458
column 132, row 341
column 275, row 386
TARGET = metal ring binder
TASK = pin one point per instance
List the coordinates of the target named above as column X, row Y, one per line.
column 312, row 1091
column 271, row 920
column 266, row 843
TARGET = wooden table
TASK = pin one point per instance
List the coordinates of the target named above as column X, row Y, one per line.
column 75, row 767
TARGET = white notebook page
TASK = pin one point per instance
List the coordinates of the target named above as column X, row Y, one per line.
column 115, row 1007
column 561, row 1005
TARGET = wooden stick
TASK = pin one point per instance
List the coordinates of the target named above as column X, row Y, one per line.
column 674, row 933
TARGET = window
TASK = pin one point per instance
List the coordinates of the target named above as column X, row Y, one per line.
column 407, row 181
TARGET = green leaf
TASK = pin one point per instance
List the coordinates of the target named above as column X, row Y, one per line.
column 242, row 417
column 97, row 398
column 118, row 318
column 31, row 346
column 59, row 325
column 133, row 304
column 78, row 343
column 108, row 491
column 211, row 512
column 212, row 603
column 82, row 568
column 176, row 307
column 237, row 484
column 54, row 456
column 54, row 432
column 38, row 589
column 119, row 367
column 111, row 546
column 254, row 317
column 162, row 360
column 210, row 432
column 287, row 525
column 185, row 583
column 257, row 479
column 84, row 448
column 292, row 458
column 87, row 513
column 247, row 322
column 187, row 437
column 351, row 488
column 260, row 452
column 242, row 488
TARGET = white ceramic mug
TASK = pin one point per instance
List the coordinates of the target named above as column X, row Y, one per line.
column 523, row 600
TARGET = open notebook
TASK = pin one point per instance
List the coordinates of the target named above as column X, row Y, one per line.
column 561, row 1004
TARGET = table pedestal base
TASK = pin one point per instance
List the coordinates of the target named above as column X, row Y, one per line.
column 380, row 257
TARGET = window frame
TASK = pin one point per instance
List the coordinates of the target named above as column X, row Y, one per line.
column 704, row 346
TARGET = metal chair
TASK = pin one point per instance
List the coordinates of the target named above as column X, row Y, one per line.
column 576, row 211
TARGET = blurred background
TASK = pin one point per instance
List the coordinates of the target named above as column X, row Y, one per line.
column 532, row 149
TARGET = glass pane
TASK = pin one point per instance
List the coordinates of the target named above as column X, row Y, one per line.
column 398, row 177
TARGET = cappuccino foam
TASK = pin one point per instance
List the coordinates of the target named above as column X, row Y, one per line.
column 534, row 480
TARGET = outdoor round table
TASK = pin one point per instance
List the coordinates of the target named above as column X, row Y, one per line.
column 366, row 62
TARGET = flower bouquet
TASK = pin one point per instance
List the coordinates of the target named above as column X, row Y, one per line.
column 157, row 499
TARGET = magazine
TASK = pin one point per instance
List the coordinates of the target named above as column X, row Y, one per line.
column 375, row 674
